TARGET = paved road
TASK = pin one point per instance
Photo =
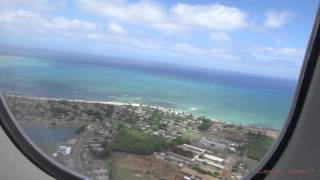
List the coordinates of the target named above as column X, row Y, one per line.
column 78, row 148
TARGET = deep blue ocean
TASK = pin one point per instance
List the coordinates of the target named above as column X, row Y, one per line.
column 222, row 95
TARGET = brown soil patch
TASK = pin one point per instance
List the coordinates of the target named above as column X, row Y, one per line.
column 140, row 167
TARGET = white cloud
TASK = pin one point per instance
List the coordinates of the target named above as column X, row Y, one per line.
column 95, row 36
column 142, row 13
column 213, row 17
column 276, row 19
column 34, row 5
column 219, row 36
column 242, row 54
column 216, row 20
column 270, row 56
column 285, row 52
column 144, row 43
column 20, row 21
column 215, row 54
column 177, row 18
column 188, row 48
column 116, row 28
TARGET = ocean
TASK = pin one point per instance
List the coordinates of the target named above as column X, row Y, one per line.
column 226, row 96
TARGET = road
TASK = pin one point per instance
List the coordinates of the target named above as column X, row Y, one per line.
column 78, row 148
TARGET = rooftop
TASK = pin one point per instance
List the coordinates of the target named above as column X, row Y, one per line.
column 213, row 158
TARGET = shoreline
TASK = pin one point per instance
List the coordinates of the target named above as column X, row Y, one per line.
column 272, row 132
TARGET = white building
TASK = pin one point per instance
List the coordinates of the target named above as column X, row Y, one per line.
column 64, row 150
column 194, row 149
column 211, row 160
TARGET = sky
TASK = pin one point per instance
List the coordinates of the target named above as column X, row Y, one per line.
column 259, row 37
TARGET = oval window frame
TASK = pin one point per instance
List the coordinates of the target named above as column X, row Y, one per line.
column 56, row 170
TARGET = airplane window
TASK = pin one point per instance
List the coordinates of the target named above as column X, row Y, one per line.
column 150, row 89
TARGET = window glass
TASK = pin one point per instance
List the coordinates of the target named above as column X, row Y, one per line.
column 135, row 89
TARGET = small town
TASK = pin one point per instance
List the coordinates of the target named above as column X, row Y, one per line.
column 134, row 141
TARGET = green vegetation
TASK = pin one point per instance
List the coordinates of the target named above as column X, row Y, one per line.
column 135, row 141
column 65, row 102
column 241, row 149
column 100, row 112
column 72, row 118
column 258, row 145
column 80, row 129
column 58, row 110
column 162, row 126
column 205, row 124
column 191, row 135
column 53, row 123
column 109, row 110
column 182, row 152
column 157, row 116
column 201, row 171
column 105, row 153
column 177, row 141
column 94, row 113
column 215, row 174
column 236, row 167
column 120, row 126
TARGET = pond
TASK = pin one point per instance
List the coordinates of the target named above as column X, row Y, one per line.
column 48, row 138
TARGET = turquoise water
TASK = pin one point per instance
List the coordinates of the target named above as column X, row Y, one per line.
column 226, row 96
column 47, row 138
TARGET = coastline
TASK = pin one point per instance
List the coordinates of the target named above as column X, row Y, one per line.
column 138, row 130
column 251, row 128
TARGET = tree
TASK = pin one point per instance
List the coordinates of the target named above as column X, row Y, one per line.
column 135, row 141
column 205, row 124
